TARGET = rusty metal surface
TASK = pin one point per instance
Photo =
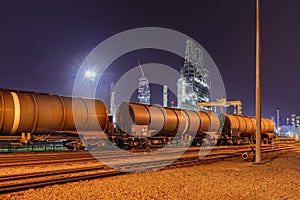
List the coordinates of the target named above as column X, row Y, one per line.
column 267, row 125
column 253, row 121
column 1, row 110
column 271, row 126
column 34, row 112
column 171, row 122
column 250, row 126
column 140, row 114
column 194, row 119
column 123, row 118
column 69, row 123
column 8, row 110
column 92, row 114
column 28, row 118
column 129, row 114
column 157, row 119
column 80, row 117
column 247, row 124
column 233, row 121
column 183, row 121
column 242, row 124
column 204, row 121
column 264, row 125
column 215, row 123
column 49, row 113
column 101, row 115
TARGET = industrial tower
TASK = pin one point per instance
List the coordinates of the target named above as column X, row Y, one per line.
column 112, row 99
column 165, row 96
column 192, row 85
column 143, row 88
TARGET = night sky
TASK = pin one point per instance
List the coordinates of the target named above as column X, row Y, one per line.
column 43, row 43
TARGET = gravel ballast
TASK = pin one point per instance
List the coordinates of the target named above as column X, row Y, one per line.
column 277, row 178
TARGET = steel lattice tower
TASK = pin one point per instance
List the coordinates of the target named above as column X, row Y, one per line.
column 195, row 76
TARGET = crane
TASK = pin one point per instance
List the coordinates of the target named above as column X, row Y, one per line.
column 143, row 75
column 222, row 102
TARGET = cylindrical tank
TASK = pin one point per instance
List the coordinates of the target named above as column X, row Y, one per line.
column 37, row 112
column 204, row 122
column 162, row 121
column 253, row 122
column 194, row 118
column 139, row 114
column 182, row 121
column 171, row 122
column 159, row 120
column 268, row 125
column 250, row 129
column 214, row 122
column 232, row 122
column 247, row 125
column 242, row 124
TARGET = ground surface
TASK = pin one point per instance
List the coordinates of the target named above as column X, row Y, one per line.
column 277, row 178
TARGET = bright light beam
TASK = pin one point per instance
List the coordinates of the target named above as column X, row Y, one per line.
column 91, row 75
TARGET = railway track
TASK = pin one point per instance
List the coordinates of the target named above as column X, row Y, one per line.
column 26, row 159
column 23, row 159
column 18, row 182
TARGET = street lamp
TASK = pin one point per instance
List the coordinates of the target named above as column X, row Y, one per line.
column 90, row 76
column 258, row 87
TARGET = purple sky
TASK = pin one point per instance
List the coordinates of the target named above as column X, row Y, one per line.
column 42, row 43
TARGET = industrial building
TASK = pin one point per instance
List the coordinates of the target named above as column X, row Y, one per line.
column 192, row 86
column 143, row 88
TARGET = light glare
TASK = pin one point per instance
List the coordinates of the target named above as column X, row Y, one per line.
column 90, row 74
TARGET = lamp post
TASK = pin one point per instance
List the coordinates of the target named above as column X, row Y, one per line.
column 258, row 92
column 90, row 76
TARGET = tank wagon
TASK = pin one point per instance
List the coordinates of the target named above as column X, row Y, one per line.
column 150, row 124
column 29, row 117
column 241, row 129
column 153, row 125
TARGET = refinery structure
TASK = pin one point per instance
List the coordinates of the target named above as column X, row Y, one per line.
column 133, row 125
column 143, row 88
column 192, row 87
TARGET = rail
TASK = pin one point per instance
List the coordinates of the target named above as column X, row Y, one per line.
column 18, row 182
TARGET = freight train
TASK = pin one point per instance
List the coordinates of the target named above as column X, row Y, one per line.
column 30, row 117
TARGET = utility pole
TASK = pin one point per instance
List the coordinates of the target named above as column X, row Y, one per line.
column 258, row 92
